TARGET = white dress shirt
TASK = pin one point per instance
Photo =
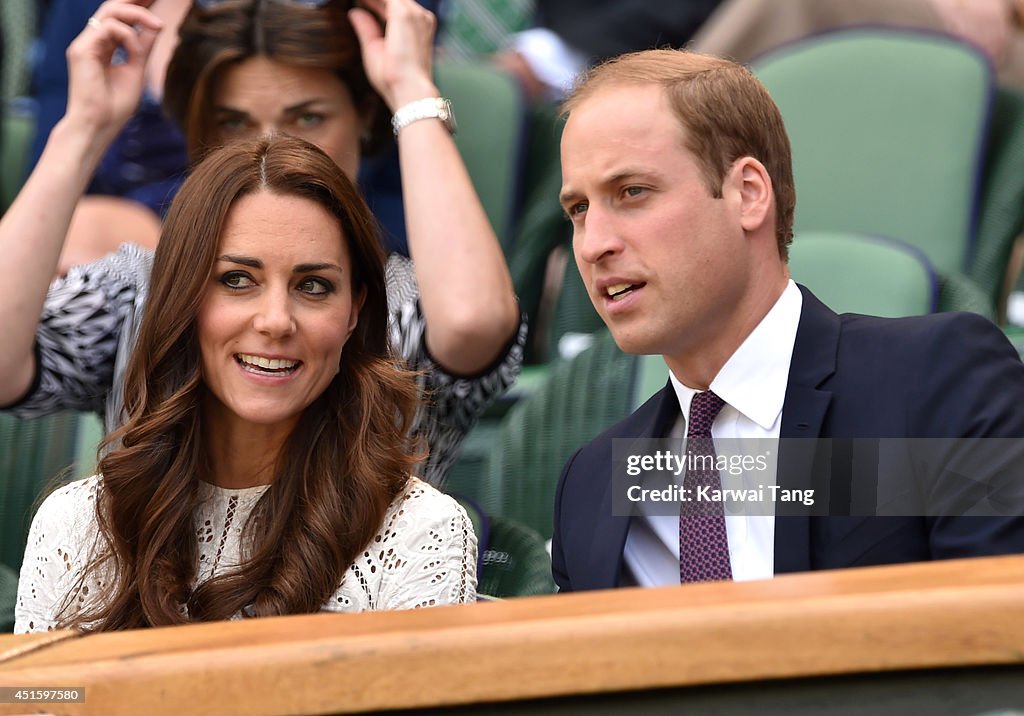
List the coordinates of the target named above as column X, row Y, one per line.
column 753, row 385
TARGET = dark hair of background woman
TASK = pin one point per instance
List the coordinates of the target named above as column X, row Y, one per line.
column 212, row 39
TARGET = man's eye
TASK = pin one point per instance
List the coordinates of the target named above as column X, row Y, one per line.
column 237, row 279
column 578, row 208
column 316, row 286
column 633, row 190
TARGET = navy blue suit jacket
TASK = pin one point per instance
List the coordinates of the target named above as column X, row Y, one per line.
column 937, row 376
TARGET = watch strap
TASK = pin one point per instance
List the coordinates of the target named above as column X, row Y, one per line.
column 426, row 108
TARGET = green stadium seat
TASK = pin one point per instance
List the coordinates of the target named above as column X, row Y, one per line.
column 888, row 132
column 874, row 275
column 490, row 109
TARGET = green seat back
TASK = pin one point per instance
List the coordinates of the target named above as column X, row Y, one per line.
column 32, row 453
column 852, row 273
column 8, row 598
column 90, row 433
column 541, row 225
column 1001, row 219
column 580, row 398
column 651, row 376
column 515, row 563
column 18, row 21
column 15, row 141
column 887, row 129
column 490, row 111
column 574, row 312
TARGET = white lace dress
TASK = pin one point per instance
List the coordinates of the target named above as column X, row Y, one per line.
column 423, row 555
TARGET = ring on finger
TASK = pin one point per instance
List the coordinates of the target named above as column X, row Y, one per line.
column 93, row 22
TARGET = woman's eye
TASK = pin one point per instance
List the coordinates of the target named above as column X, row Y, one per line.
column 316, row 286
column 231, row 125
column 236, row 279
column 309, row 120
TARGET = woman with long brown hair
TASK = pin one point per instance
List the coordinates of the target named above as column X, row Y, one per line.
column 327, row 72
column 264, row 466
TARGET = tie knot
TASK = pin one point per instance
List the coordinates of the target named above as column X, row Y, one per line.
column 703, row 409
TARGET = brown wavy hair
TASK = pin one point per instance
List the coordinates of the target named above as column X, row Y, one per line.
column 214, row 38
column 340, row 469
column 725, row 112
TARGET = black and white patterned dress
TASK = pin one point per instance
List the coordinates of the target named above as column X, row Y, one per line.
column 91, row 321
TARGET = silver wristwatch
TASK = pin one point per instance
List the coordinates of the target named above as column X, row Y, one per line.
column 427, row 108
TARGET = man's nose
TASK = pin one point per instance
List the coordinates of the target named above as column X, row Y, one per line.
column 596, row 237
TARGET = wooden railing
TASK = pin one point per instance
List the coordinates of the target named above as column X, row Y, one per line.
column 944, row 615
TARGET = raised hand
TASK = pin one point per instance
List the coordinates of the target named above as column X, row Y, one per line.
column 398, row 58
column 985, row 23
column 102, row 93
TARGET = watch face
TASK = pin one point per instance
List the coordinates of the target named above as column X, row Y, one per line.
column 448, row 117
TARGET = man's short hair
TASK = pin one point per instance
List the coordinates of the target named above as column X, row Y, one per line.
column 726, row 114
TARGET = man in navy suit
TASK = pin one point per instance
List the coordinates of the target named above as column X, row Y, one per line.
column 677, row 179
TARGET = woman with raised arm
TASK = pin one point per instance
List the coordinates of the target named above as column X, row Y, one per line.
column 329, row 74
column 264, row 465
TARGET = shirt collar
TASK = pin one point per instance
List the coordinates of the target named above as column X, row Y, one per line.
column 754, row 379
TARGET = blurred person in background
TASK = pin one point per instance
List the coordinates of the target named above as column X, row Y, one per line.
column 329, row 74
column 743, row 29
column 572, row 35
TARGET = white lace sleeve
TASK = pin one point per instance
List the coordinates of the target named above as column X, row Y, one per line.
column 60, row 544
column 424, row 555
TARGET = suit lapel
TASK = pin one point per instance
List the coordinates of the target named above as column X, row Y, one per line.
column 803, row 414
column 658, row 415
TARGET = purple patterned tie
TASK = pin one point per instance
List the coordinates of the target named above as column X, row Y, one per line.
column 703, row 544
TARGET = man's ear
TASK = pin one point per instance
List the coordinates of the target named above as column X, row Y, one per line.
column 754, row 186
